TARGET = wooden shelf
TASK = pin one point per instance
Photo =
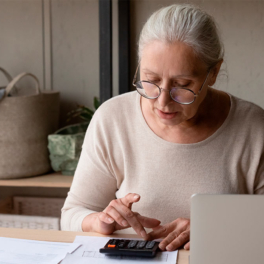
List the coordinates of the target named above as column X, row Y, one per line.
column 53, row 180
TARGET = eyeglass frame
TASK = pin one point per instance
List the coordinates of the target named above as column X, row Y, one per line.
column 160, row 89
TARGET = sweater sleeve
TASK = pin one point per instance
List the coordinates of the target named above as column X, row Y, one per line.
column 94, row 184
column 259, row 180
column 258, row 140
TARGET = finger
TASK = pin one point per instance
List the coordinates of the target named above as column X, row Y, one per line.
column 180, row 240
column 105, row 218
column 113, row 213
column 105, row 225
column 147, row 222
column 130, row 217
column 129, row 199
column 108, row 221
column 169, row 232
column 159, row 231
column 179, row 225
column 168, row 240
column 156, row 228
column 187, row 246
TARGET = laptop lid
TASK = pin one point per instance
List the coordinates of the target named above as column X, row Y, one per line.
column 227, row 229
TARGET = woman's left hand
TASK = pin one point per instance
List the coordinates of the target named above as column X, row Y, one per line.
column 176, row 234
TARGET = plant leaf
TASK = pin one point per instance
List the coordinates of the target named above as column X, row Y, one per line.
column 86, row 116
column 96, row 103
column 83, row 112
column 87, row 110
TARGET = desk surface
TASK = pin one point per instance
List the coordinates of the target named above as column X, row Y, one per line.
column 66, row 236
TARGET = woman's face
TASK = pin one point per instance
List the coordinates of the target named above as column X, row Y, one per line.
column 170, row 65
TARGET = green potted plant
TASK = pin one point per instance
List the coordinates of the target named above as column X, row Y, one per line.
column 66, row 143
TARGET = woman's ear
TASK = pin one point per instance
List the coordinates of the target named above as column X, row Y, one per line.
column 214, row 72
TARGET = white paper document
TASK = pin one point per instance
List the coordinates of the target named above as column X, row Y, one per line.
column 89, row 253
column 23, row 251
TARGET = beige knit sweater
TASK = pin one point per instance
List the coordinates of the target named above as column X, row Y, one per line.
column 121, row 154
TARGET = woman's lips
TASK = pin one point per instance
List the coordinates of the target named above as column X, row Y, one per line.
column 165, row 115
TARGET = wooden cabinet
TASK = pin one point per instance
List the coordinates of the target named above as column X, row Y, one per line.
column 52, row 185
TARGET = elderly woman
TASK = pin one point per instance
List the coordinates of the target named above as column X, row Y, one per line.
column 173, row 137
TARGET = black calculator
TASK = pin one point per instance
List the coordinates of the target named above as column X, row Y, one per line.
column 123, row 247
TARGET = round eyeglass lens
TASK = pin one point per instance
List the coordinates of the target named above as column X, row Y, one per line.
column 147, row 89
column 182, row 95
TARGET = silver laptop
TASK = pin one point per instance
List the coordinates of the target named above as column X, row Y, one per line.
column 227, row 229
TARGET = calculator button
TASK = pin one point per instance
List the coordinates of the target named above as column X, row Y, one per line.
column 141, row 244
column 111, row 246
column 121, row 244
column 112, row 243
column 150, row 244
column 132, row 244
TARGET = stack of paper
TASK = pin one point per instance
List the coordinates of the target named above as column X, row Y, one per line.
column 22, row 251
column 84, row 250
column 89, row 253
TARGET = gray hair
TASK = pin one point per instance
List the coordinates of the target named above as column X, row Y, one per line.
column 187, row 24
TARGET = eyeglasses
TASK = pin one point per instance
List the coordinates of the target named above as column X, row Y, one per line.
column 180, row 95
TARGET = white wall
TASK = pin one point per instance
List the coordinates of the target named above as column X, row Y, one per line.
column 75, row 51
column 21, row 37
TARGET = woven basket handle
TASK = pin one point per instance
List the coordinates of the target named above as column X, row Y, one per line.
column 17, row 78
column 7, row 75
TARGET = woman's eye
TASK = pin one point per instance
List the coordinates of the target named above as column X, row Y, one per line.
column 153, row 81
column 182, row 85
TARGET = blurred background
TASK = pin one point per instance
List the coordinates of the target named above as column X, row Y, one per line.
column 58, row 41
column 83, row 49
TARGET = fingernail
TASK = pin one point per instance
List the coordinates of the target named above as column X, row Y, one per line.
column 161, row 247
column 143, row 233
column 110, row 220
column 124, row 223
column 136, row 196
column 169, row 247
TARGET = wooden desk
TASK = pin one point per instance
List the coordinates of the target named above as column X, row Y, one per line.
column 65, row 236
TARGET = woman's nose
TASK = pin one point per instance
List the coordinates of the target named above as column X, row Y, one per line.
column 164, row 97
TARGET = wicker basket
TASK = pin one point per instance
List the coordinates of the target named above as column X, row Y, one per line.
column 26, row 121
column 31, row 212
column 29, row 222
column 38, row 206
column 6, row 205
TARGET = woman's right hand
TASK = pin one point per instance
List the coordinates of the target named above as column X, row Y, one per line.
column 118, row 215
